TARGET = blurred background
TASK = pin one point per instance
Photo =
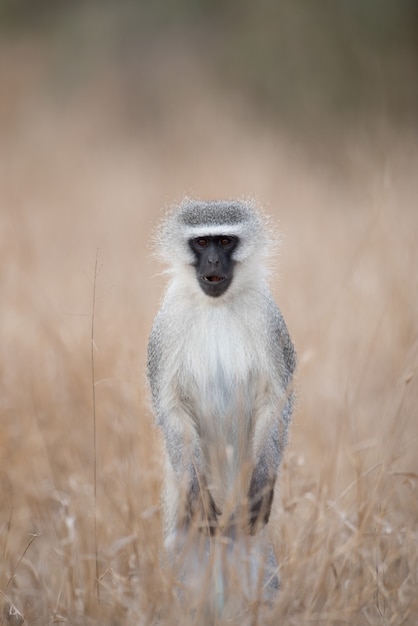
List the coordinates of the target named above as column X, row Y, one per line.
column 109, row 113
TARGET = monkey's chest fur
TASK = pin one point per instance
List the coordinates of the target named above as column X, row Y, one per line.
column 222, row 385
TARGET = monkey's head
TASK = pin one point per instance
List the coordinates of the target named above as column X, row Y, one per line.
column 214, row 245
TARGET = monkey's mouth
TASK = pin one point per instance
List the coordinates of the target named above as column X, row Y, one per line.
column 213, row 279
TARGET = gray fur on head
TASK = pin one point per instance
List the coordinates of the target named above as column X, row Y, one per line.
column 197, row 218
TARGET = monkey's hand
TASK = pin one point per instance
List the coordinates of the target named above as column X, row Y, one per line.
column 260, row 498
column 200, row 506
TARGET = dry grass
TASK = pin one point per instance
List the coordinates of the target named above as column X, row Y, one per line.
column 74, row 180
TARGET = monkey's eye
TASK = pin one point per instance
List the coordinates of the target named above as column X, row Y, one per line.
column 224, row 241
column 202, row 242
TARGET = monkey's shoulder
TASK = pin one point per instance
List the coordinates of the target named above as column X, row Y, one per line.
column 281, row 345
column 155, row 349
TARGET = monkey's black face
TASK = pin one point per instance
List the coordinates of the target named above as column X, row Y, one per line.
column 214, row 263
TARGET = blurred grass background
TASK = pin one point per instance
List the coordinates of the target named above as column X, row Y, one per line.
column 109, row 112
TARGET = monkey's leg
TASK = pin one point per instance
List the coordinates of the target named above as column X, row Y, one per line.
column 271, row 576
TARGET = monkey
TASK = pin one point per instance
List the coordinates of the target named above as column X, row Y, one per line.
column 220, row 369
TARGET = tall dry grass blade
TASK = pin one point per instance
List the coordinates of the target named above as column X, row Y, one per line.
column 93, row 384
column 13, row 574
column 6, row 540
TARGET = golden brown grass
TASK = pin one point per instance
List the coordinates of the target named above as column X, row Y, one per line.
column 73, row 180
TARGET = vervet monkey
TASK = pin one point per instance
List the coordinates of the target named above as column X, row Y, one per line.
column 220, row 367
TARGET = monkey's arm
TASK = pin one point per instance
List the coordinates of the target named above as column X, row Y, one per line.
column 264, row 475
column 181, row 439
column 186, row 458
column 272, row 423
